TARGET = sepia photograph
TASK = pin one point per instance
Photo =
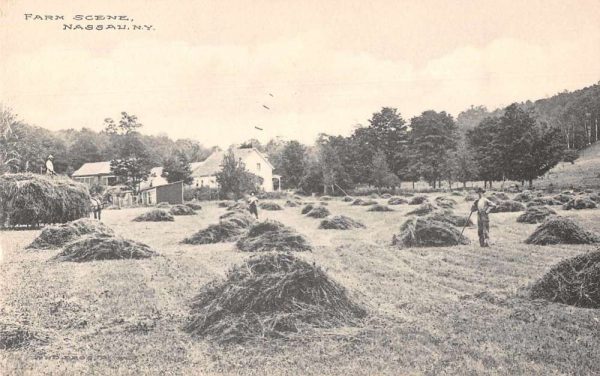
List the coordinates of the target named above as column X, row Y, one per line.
column 284, row 187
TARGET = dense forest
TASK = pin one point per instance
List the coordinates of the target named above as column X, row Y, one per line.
column 520, row 142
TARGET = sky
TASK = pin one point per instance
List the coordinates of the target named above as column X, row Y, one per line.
column 206, row 69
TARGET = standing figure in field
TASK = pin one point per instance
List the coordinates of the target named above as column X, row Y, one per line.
column 483, row 206
column 253, row 205
column 50, row 165
column 96, row 206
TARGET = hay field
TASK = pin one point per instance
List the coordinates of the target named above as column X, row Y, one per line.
column 453, row 310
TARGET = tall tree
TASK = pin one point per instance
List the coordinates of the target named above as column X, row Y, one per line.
column 177, row 168
column 293, row 164
column 233, row 179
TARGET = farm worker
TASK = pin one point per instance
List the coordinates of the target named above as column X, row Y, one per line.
column 50, row 165
column 483, row 206
column 253, row 205
column 96, row 206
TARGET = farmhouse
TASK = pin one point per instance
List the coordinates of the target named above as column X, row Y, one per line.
column 204, row 173
column 95, row 173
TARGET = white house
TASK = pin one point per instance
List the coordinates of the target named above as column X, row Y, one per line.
column 204, row 173
column 95, row 173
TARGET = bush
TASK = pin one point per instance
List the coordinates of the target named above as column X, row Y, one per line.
column 535, row 214
column 561, row 230
column 269, row 296
column 426, row 232
column 95, row 248
column 56, row 236
column 181, row 210
column 30, row 199
column 200, row 193
column 272, row 236
column 340, row 222
column 156, row 215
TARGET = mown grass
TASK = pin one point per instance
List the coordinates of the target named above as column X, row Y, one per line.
column 454, row 310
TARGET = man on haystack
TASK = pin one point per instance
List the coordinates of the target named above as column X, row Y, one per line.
column 483, row 206
column 50, row 165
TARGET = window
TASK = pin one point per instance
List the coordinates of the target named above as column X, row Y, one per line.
column 258, row 166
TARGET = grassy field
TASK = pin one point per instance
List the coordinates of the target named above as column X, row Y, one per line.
column 455, row 310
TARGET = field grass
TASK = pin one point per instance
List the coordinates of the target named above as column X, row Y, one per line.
column 453, row 310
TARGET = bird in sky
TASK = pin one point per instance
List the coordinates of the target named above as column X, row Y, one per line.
column 271, row 94
column 266, row 107
column 260, row 129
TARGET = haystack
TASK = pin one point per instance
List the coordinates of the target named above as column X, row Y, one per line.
column 268, row 205
column 323, row 203
column 31, row 199
column 574, row 281
column 242, row 217
column 500, row 195
column 270, row 296
column 239, row 205
column 325, row 198
column 340, row 222
column 272, row 236
column 445, row 202
column 579, row 203
column 471, row 196
column 380, row 208
column 358, row 201
column 541, row 201
column 290, row 204
column 456, row 193
column 368, row 203
column 508, row 206
column 58, row 235
column 525, row 196
column 224, row 231
column 94, row 248
column 194, row 205
column 426, row 232
column 563, row 198
column 156, row 215
column 373, row 195
column 397, row 201
column 163, row 205
column 423, row 209
column 14, row 336
column 225, row 204
column 449, row 217
column 306, row 209
column 181, row 210
column 347, row 199
column 561, row 230
column 418, row 200
column 535, row 214
column 318, row 212
column 386, row 196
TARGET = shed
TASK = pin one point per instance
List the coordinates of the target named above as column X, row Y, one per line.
column 171, row 193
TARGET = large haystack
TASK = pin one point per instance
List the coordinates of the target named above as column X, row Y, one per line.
column 418, row 200
column 269, row 296
column 397, row 201
column 449, row 217
column 273, row 236
column 242, row 217
column 535, row 214
column 380, row 208
column 423, row 209
column 194, row 205
column 340, row 222
column 30, row 199
column 224, row 231
column 541, row 201
column 56, row 236
column 306, row 209
column 561, row 230
column 426, row 232
column 156, row 215
column 508, row 206
column 579, row 203
column 268, row 205
column 14, row 336
column 95, row 248
column 445, row 202
column 181, row 210
column 318, row 212
column 574, row 281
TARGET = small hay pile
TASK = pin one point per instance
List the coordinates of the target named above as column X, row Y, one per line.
column 500, row 195
column 471, row 196
column 449, row 217
column 380, row 208
column 340, row 222
column 225, row 204
column 318, row 212
column 270, row 295
column 181, row 210
column 95, row 248
column 574, row 281
column 445, row 202
column 456, row 193
column 373, row 195
column 267, row 205
column 397, row 201
column 426, row 232
column 368, row 203
column 240, row 205
column 563, row 198
column 561, row 230
column 418, row 200
column 541, row 201
column 358, row 201
column 508, row 206
column 15, row 336
column 242, row 217
column 347, row 199
column 273, row 236
column 193, row 205
column 222, row 232
column 57, row 236
column 325, row 198
column 307, row 209
column 386, row 196
column 535, row 214
column 525, row 196
column 323, row 203
column 579, row 203
column 423, row 209
column 31, row 199
column 290, row 204
column 156, row 215
column 163, row 205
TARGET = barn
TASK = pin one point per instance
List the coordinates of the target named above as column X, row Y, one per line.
column 171, row 193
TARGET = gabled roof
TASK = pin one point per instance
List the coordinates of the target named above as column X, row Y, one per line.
column 155, row 179
column 211, row 165
column 93, row 169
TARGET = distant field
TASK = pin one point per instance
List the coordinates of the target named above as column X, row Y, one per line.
column 454, row 310
column 584, row 173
